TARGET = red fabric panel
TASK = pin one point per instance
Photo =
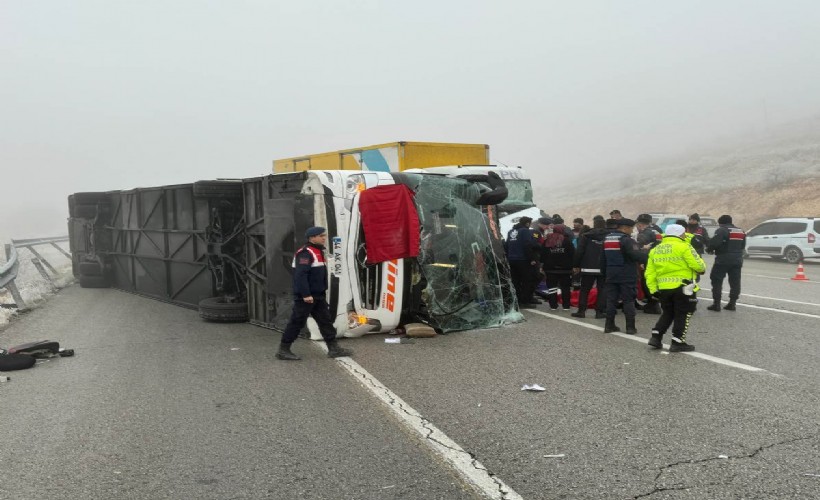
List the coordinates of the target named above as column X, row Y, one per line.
column 391, row 223
column 592, row 298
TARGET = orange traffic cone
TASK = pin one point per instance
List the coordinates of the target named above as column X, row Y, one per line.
column 800, row 275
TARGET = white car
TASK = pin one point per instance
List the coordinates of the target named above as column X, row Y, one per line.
column 789, row 238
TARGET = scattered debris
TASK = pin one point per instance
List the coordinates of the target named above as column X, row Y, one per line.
column 723, row 456
column 393, row 340
column 812, row 475
column 533, row 387
column 234, row 348
column 419, row 330
column 560, row 455
column 5, row 378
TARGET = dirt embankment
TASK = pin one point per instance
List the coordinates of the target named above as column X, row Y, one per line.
column 748, row 205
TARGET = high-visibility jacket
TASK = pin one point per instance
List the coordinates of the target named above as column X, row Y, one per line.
column 671, row 262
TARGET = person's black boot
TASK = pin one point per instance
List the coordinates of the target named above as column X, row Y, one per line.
column 630, row 325
column 652, row 307
column 334, row 350
column 715, row 306
column 580, row 313
column 600, row 314
column 731, row 305
column 680, row 346
column 285, row 353
column 610, row 327
column 655, row 341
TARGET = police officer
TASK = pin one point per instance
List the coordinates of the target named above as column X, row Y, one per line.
column 670, row 275
column 728, row 245
column 524, row 255
column 620, row 260
column 649, row 235
column 309, row 286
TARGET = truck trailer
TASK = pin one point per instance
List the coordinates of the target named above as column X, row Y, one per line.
column 390, row 157
column 226, row 248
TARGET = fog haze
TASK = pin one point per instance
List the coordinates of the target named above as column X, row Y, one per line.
column 101, row 95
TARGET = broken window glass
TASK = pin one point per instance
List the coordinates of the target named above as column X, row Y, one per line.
column 462, row 266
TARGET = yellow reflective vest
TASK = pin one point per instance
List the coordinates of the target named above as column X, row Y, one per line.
column 671, row 262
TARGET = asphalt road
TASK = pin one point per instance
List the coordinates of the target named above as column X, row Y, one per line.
column 158, row 404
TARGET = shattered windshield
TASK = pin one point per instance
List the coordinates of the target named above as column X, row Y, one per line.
column 519, row 195
column 464, row 273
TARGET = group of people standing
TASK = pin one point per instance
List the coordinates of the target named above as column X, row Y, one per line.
column 618, row 255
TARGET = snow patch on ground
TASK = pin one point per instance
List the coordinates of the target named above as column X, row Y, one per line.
column 34, row 288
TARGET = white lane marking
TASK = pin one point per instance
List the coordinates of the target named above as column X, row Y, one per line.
column 784, row 311
column 470, row 469
column 779, row 278
column 642, row 340
column 769, row 298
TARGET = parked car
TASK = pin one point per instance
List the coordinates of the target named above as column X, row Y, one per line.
column 666, row 219
column 789, row 238
column 709, row 224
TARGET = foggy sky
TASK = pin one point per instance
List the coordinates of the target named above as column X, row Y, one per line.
column 100, row 95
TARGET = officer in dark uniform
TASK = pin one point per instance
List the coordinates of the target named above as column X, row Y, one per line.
column 524, row 255
column 728, row 245
column 649, row 235
column 620, row 260
column 309, row 286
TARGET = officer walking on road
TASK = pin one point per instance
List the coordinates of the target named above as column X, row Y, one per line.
column 670, row 275
column 309, row 286
column 728, row 245
column 620, row 260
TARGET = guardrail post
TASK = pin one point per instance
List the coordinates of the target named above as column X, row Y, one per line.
column 12, row 287
column 39, row 265
column 41, row 259
column 58, row 247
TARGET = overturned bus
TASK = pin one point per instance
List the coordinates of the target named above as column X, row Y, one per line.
column 226, row 247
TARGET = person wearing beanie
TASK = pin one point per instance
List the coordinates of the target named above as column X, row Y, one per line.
column 728, row 244
column 578, row 228
column 620, row 260
column 700, row 236
column 587, row 264
column 309, row 287
column 671, row 272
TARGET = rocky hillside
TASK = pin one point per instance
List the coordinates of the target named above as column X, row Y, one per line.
column 753, row 181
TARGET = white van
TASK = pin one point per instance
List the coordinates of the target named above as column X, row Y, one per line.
column 789, row 238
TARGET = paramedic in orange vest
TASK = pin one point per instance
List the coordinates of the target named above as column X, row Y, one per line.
column 309, row 286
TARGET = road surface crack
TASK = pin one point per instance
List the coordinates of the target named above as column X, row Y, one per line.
column 752, row 454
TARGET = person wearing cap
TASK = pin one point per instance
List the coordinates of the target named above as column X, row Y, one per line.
column 700, row 236
column 309, row 287
column 649, row 235
column 728, row 245
column 671, row 272
column 587, row 263
column 620, row 260
column 615, row 214
column 523, row 254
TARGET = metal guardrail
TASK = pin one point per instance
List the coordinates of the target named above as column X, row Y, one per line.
column 8, row 271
